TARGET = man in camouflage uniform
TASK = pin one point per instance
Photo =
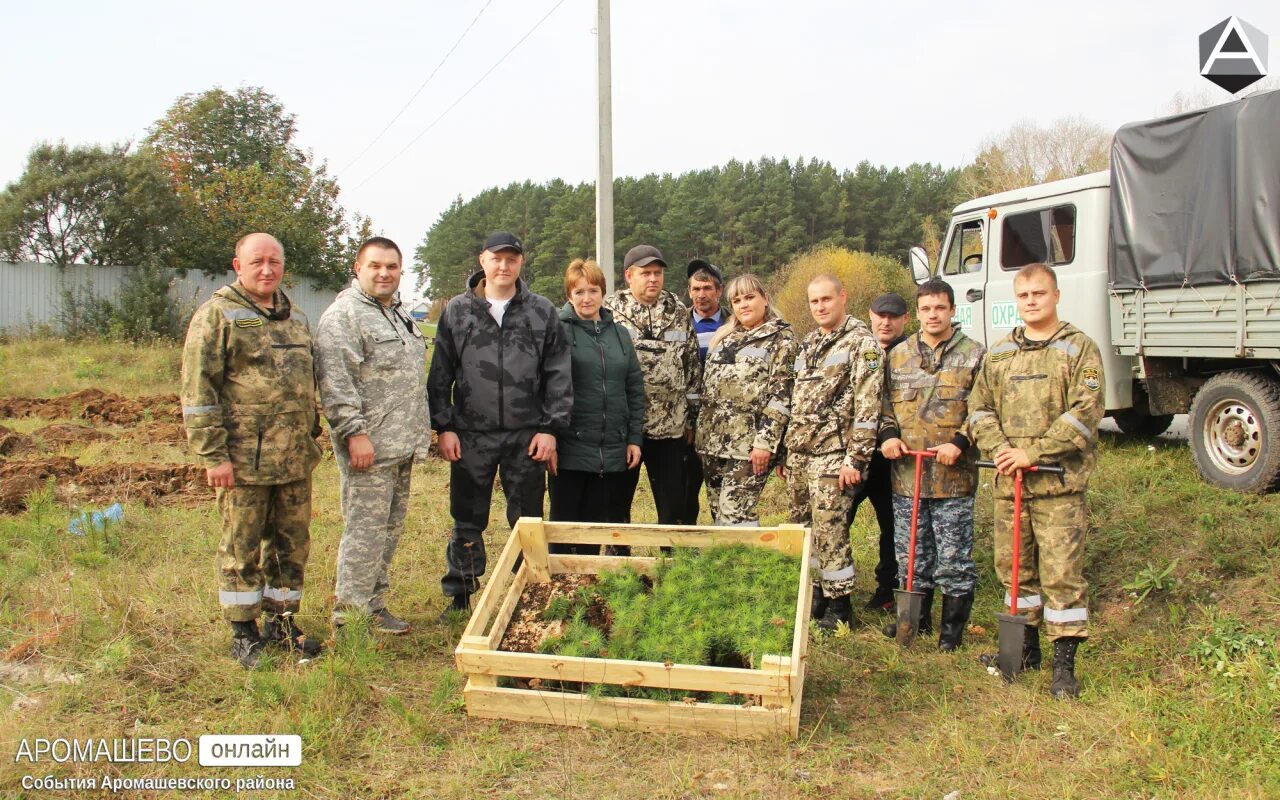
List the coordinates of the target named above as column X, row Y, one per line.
column 746, row 396
column 249, row 408
column 1039, row 399
column 662, row 331
column 706, row 287
column 371, row 363
column 926, row 397
column 499, row 387
column 835, row 411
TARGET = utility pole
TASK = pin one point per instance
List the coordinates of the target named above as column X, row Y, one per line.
column 604, row 172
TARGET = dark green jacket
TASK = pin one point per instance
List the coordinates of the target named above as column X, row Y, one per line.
column 608, row 395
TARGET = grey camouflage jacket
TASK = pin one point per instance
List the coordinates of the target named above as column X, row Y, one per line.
column 746, row 391
column 371, row 362
column 489, row 378
column 668, row 351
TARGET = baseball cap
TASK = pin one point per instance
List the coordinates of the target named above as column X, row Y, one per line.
column 890, row 304
column 642, row 255
column 501, row 240
column 702, row 263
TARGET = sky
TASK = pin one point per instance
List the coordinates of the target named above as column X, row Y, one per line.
column 694, row 83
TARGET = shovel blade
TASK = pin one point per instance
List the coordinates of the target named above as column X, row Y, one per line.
column 909, row 606
column 1013, row 635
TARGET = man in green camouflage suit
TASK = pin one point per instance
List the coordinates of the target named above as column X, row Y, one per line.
column 662, row 331
column 926, row 394
column 835, row 411
column 249, row 407
column 371, row 364
column 1039, row 399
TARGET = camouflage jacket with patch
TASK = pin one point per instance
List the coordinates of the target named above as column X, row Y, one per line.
column 746, row 391
column 926, row 403
column 835, row 406
column 489, row 378
column 248, row 388
column 1046, row 398
column 371, row 364
column 668, row 351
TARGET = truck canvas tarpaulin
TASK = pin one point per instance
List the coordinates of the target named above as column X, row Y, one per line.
column 1195, row 198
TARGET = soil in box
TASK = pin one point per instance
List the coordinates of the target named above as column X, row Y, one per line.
column 724, row 606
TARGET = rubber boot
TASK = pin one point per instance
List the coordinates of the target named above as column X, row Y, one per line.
column 839, row 609
column 926, row 617
column 818, row 609
column 1064, row 683
column 281, row 631
column 246, row 644
column 955, row 615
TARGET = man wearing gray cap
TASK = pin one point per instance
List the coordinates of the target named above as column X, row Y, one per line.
column 499, row 387
column 888, row 323
column 662, row 331
column 706, row 287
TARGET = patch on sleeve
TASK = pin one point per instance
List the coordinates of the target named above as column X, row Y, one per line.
column 1090, row 376
column 256, row 322
column 1001, row 356
column 872, row 357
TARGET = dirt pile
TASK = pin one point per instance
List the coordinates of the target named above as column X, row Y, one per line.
column 528, row 628
column 94, row 405
column 149, row 484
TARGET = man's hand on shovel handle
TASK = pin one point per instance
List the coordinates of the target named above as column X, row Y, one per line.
column 1011, row 459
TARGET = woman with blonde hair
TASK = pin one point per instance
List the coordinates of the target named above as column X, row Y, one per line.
column 606, row 426
column 746, row 401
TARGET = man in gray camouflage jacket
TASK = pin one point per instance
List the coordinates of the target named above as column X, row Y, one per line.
column 371, row 365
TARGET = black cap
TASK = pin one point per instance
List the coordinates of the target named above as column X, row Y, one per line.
column 501, row 240
column 642, row 255
column 889, row 304
column 702, row 263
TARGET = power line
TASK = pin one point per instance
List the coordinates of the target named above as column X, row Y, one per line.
column 405, row 107
column 464, row 95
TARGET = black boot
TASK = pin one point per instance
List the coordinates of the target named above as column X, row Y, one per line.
column 818, row 609
column 881, row 600
column 281, row 631
column 926, row 617
column 246, row 644
column 839, row 609
column 1031, row 649
column 1064, row 683
column 955, row 615
column 458, row 603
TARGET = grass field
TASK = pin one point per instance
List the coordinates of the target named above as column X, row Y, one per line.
column 119, row 635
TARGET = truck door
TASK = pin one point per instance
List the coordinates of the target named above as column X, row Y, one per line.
column 963, row 265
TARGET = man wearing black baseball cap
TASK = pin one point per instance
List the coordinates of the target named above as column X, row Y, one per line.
column 662, row 331
column 496, row 403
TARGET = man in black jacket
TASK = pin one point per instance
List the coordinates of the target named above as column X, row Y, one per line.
column 499, row 386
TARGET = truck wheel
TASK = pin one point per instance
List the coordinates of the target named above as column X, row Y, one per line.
column 1138, row 420
column 1234, row 431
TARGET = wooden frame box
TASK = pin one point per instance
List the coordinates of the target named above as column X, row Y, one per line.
column 777, row 686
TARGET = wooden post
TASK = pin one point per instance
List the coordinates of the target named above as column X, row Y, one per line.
column 533, row 541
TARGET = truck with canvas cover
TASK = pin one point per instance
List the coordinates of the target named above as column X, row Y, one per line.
column 1170, row 261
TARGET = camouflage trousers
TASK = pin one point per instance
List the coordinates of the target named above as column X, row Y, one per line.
column 266, row 536
column 813, row 486
column 1052, row 591
column 944, row 543
column 733, row 490
column 484, row 455
column 374, row 502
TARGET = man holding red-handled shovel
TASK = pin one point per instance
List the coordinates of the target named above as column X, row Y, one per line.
column 1039, row 399
column 924, row 419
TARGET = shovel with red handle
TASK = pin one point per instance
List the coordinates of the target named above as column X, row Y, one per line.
column 1013, row 626
column 908, row 601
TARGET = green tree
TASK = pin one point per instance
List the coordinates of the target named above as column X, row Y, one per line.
column 233, row 163
column 87, row 205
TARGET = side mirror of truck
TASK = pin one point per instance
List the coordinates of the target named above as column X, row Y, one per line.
column 919, row 264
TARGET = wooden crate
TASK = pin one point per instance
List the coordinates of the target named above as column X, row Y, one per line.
column 778, row 684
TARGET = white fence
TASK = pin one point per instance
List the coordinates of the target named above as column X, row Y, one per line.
column 31, row 294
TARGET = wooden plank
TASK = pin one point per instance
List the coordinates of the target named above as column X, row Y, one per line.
column 559, row 708
column 667, row 535
column 494, row 591
column 792, row 538
column 804, row 603
column 533, row 540
column 503, row 618
column 690, row 677
column 594, row 565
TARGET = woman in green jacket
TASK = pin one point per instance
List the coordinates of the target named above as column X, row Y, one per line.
column 607, row 424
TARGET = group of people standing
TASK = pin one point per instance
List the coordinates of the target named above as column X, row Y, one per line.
column 571, row 402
